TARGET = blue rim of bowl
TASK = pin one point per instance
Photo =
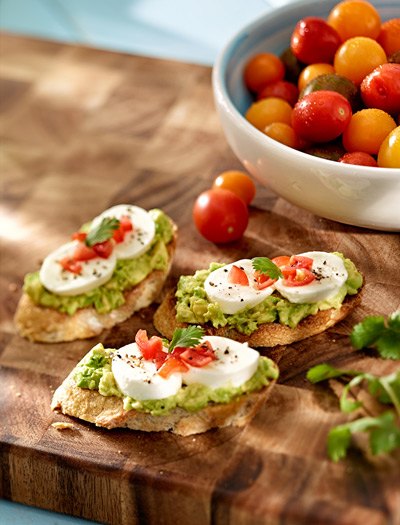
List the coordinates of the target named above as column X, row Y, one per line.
column 221, row 92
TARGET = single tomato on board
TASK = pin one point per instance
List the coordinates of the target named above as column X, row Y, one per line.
column 220, row 215
column 238, row 182
column 321, row 116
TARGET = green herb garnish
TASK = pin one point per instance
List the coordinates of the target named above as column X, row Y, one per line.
column 265, row 265
column 103, row 231
column 186, row 337
column 374, row 331
column 384, row 434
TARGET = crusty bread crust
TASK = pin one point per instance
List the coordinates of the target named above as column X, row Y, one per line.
column 48, row 325
column 268, row 334
column 109, row 412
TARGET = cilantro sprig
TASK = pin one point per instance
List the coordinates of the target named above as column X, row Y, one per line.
column 265, row 265
column 374, row 331
column 186, row 337
column 384, row 435
column 103, row 231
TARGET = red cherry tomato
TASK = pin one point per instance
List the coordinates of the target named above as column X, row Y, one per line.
column 313, row 40
column 280, row 89
column 359, row 158
column 321, row 116
column 381, row 88
column 220, row 215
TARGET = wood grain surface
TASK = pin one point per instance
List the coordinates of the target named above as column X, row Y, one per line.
column 82, row 130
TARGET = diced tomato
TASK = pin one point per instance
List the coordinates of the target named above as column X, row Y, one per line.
column 300, row 261
column 159, row 357
column 79, row 236
column 171, row 365
column 237, row 276
column 281, row 261
column 301, row 278
column 71, row 265
column 263, row 280
column 125, row 225
column 83, row 252
column 148, row 347
column 289, row 265
column 197, row 359
column 104, row 249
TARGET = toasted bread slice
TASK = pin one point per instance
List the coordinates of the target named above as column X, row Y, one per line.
column 268, row 334
column 109, row 412
column 48, row 325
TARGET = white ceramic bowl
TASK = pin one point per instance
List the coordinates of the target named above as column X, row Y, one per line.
column 356, row 195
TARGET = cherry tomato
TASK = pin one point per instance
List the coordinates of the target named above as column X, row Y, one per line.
column 71, row 265
column 282, row 133
column 313, row 40
column 389, row 152
column 321, row 116
column 220, row 215
column 148, row 347
column 357, row 57
column 367, row 130
column 280, row 89
column 313, row 71
column 237, row 276
column 355, row 18
column 381, row 88
column 389, row 37
column 359, row 158
column 268, row 110
column 238, row 182
column 293, row 66
column 263, row 69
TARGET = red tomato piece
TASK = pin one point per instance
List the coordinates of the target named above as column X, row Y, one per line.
column 280, row 89
column 79, row 236
column 171, row 365
column 321, row 116
column 220, row 215
column 148, row 347
column 359, row 158
column 196, row 359
column 282, row 260
column 301, row 278
column 71, row 265
column 263, row 280
column 118, row 235
column 104, row 249
column 381, row 88
column 300, row 261
column 84, row 253
column 313, row 40
column 237, row 276
column 125, row 223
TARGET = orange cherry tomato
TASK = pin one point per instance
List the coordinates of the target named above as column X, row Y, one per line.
column 355, row 18
column 313, row 71
column 357, row 57
column 367, row 130
column 262, row 69
column 283, row 133
column 389, row 152
column 389, row 37
column 268, row 110
column 238, row 182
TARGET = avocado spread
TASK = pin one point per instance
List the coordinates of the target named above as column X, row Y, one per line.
column 94, row 372
column 127, row 273
column 192, row 304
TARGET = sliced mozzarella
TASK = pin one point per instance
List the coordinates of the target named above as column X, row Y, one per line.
column 233, row 298
column 235, row 363
column 95, row 272
column 136, row 241
column 138, row 378
column 330, row 275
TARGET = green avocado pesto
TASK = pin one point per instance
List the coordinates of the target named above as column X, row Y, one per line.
column 192, row 304
column 127, row 273
column 94, row 372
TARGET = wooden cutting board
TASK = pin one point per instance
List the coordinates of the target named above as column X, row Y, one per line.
column 82, row 130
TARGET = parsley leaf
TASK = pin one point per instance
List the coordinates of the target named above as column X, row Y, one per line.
column 103, row 231
column 384, row 435
column 374, row 330
column 186, row 337
column 265, row 265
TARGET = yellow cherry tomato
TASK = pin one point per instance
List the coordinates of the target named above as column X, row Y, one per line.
column 268, row 110
column 313, row 71
column 389, row 152
column 357, row 57
column 282, row 133
column 389, row 37
column 355, row 18
column 238, row 182
column 367, row 130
